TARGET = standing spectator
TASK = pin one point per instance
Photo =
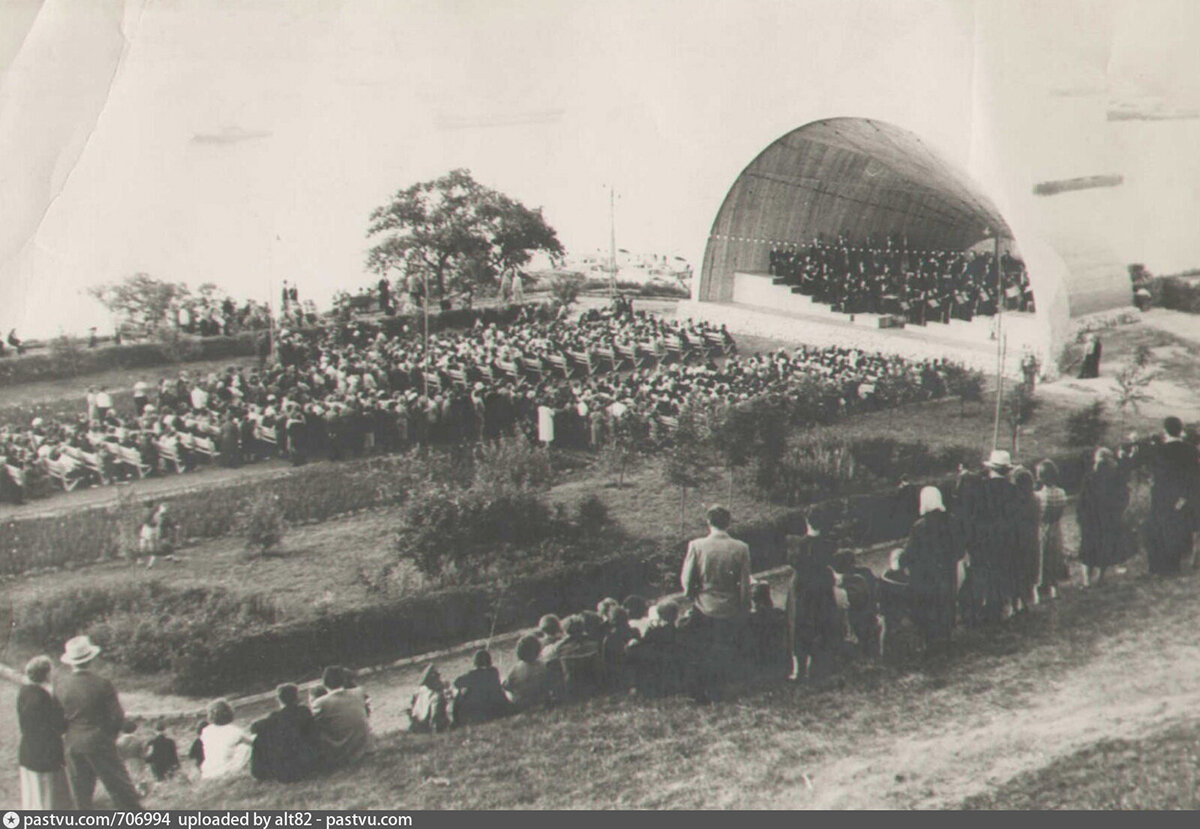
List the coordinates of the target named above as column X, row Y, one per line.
column 1026, row 555
column 1053, row 503
column 90, row 399
column 1103, row 497
column 141, row 396
column 993, row 539
column 931, row 557
column 94, row 719
column 1091, row 358
column 104, row 403
column 285, row 747
column 1174, row 497
column 343, row 729
column 716, row 577
column 862, row 595
column 162, row 755
column 479, row 696
column 40, row 754
column 226, row 746
column 814, row 625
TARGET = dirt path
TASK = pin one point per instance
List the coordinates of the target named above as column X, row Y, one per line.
column 1130, row 691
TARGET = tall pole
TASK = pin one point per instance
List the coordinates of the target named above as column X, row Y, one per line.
column 612, row 241
column 425, row 373
column 999, row 340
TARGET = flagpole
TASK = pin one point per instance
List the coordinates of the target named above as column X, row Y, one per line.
column 999, row 340
column 612, row 241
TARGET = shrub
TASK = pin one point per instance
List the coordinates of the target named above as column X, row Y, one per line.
column 262, row 524
column 566, row 288
column 591, row 516
column 513, row 463
column 1087, row 426
column 148, row 626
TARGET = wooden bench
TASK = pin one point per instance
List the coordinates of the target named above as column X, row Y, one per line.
column 487, row 374
column 168, row 453
column 458, row 377
column 199, row 445
column 559, row 364
column 607, row 355
column 16, row 474
column 649, row 354
column 93, row 462
column 667, row 422
column 511, row 369
column 132, row 458
column 718, row 344
column 582, row 361
column 626, row 355
column 533, row 367
column 266, row 434
column 66, row 470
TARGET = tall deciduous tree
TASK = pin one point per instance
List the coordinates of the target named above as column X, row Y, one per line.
column 454, row 228
column 141, row 299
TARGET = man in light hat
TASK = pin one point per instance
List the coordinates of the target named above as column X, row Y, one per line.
column 94, row 719
column 994, row 539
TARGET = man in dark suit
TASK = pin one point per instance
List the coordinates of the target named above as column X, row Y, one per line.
column 94, row 719
column 1173, row 499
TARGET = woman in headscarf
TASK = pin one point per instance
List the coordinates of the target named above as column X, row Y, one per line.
column 1025, row 561
column 1103, row 498
column 931, row 557
column 1053, row 502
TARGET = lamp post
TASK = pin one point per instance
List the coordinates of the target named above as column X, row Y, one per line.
column 1000, row 340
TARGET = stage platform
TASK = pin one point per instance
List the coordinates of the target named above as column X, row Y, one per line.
column 762, row 308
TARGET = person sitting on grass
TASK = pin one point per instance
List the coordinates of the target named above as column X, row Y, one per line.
column 342, row 726
column 639, row 612
column 549, row 630
column 531, row 682
column 429, row 710
column 162, row 755
column 285, row 747
column 768, row 633
column 478, row 695
column 226, row 746
column 578, row 657
column 616, row 639
column 655, row 661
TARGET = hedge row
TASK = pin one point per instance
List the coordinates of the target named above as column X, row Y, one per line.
column 58, row 364
column 404, row 627
column 308, row 494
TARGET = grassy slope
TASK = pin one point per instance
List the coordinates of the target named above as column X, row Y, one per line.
column 900, row 736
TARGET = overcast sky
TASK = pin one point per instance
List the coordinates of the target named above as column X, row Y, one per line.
column 244, row 141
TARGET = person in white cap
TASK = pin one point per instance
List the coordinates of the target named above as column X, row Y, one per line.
column 994, row 538
column 94, row 719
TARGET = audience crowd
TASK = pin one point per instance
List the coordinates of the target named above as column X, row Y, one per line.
column 351, row 390
column 920, row 285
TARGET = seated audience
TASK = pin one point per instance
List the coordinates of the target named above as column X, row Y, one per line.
column 862, row 596
column 429, row 710
column 285, row 745
column 162, row 755
column 655, row 662
column 478, row 695
column 578, row 657
column 530, row 682
column 549, row 630
column 226, row 746
column 341, row 716
column 639, row 612
column 617, row 636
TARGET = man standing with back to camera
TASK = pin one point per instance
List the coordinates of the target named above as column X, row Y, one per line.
column 716, row 577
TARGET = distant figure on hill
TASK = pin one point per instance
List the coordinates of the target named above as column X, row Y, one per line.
column 1091, row 358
